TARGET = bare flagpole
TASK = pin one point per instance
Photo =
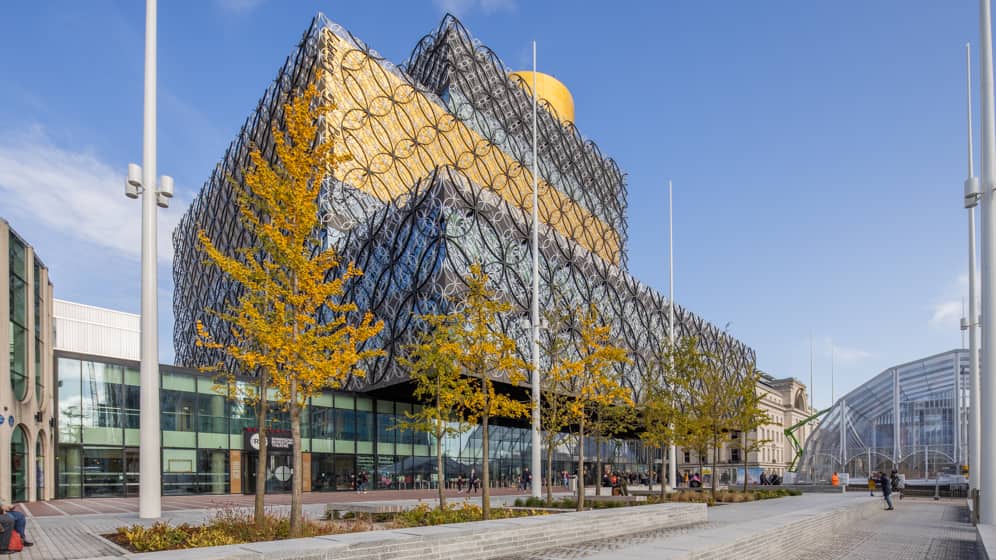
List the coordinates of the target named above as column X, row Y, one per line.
column 672, row 470
column 537, row 488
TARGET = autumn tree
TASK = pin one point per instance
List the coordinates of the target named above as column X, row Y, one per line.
column 608, row 421
column 592, row 379
column 748, row 414
column 439, row 384
column 486, row 353
column 291, row 323
column 555, row 415
column 712, row 406
column 665, row 389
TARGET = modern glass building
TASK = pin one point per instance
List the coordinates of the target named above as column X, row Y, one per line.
column 26, row 439
column 208, row 448
column 912, row 417
column 440, row 177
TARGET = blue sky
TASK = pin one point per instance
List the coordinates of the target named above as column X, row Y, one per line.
column 817, row 148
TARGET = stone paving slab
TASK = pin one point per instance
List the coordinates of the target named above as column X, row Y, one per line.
column 917, row 529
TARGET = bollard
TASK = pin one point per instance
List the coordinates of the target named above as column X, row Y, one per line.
column 937, row 486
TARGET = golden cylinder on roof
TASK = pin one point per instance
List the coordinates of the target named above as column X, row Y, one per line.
column 550, row 89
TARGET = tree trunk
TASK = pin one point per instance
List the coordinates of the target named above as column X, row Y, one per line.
column 440, row 432
column 745, row 447
column 485, row 472
column 441, row 476
column 260, row 507
column 664, row 452
column 549, row 471
column 581, row 465
column 715, row 453
column 598, row 462
column 298, row 467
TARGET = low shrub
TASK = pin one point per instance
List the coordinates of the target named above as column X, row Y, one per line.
column 422, row 514
column 229, row 526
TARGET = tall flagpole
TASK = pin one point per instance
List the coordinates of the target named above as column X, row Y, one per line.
column 987, row 377
column 971, row 201
column 149, row 460
column 672, row 470
column 537, row 488
column 833, row 393
column 812, row 388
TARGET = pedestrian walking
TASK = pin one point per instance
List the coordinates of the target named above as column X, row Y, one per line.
column 886, row 485
column 897, row 483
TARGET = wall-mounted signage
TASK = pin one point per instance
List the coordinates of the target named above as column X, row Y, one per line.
column 277, row 441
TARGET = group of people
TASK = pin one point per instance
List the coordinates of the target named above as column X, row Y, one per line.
column 888, row 483
column 11, row 521
column 525, row 480
column 773, row 479
column 692, row 480
column 473, row 483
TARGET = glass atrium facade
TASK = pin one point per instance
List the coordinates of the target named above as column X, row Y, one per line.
column 911, row 417
column 205, row 433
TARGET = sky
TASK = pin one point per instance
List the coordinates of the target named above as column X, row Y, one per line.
column 817, row 149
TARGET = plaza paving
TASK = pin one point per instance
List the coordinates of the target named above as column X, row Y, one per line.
column 918, row 528
column 67, row 529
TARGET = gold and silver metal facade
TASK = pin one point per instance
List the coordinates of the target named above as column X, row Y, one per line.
column 440, row 177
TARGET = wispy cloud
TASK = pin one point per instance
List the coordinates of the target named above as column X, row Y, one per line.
column 947, row 310
column 238, row 7
column 844, row 355
column 75, row 194
column 464, row 7
column 945, row 313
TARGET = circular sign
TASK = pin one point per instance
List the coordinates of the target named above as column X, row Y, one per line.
column 1, row 420
column 254, row 441
column 10, row 419
column 282, row 473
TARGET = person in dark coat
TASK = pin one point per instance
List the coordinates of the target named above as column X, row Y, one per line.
column 886, row 484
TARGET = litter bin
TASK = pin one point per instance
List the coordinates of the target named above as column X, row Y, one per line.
column 574, row 484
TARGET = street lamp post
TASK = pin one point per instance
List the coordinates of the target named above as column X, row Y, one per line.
column 987, row 381
column 971, row 323
column 141, row 181
column 536, row 487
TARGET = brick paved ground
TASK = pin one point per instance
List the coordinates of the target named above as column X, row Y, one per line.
column 919, row 529
column 68, row 529
column 181, row 503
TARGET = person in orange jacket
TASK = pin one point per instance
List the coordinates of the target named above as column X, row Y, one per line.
column 835, row 480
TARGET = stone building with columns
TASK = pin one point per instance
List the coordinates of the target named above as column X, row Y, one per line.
column 26, row 380
column 786, row 402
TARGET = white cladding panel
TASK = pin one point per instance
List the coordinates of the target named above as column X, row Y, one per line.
column 94, row 330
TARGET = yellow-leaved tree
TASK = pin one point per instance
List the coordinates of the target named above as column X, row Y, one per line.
column 554, row 412
column 439, row 384
column 592, row 380
column 665, row 389
column 486, row 353
column 291, row 325
column 749, row 414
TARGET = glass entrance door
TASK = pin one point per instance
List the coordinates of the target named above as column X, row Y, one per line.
column 131, row 463
column 278, row 473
